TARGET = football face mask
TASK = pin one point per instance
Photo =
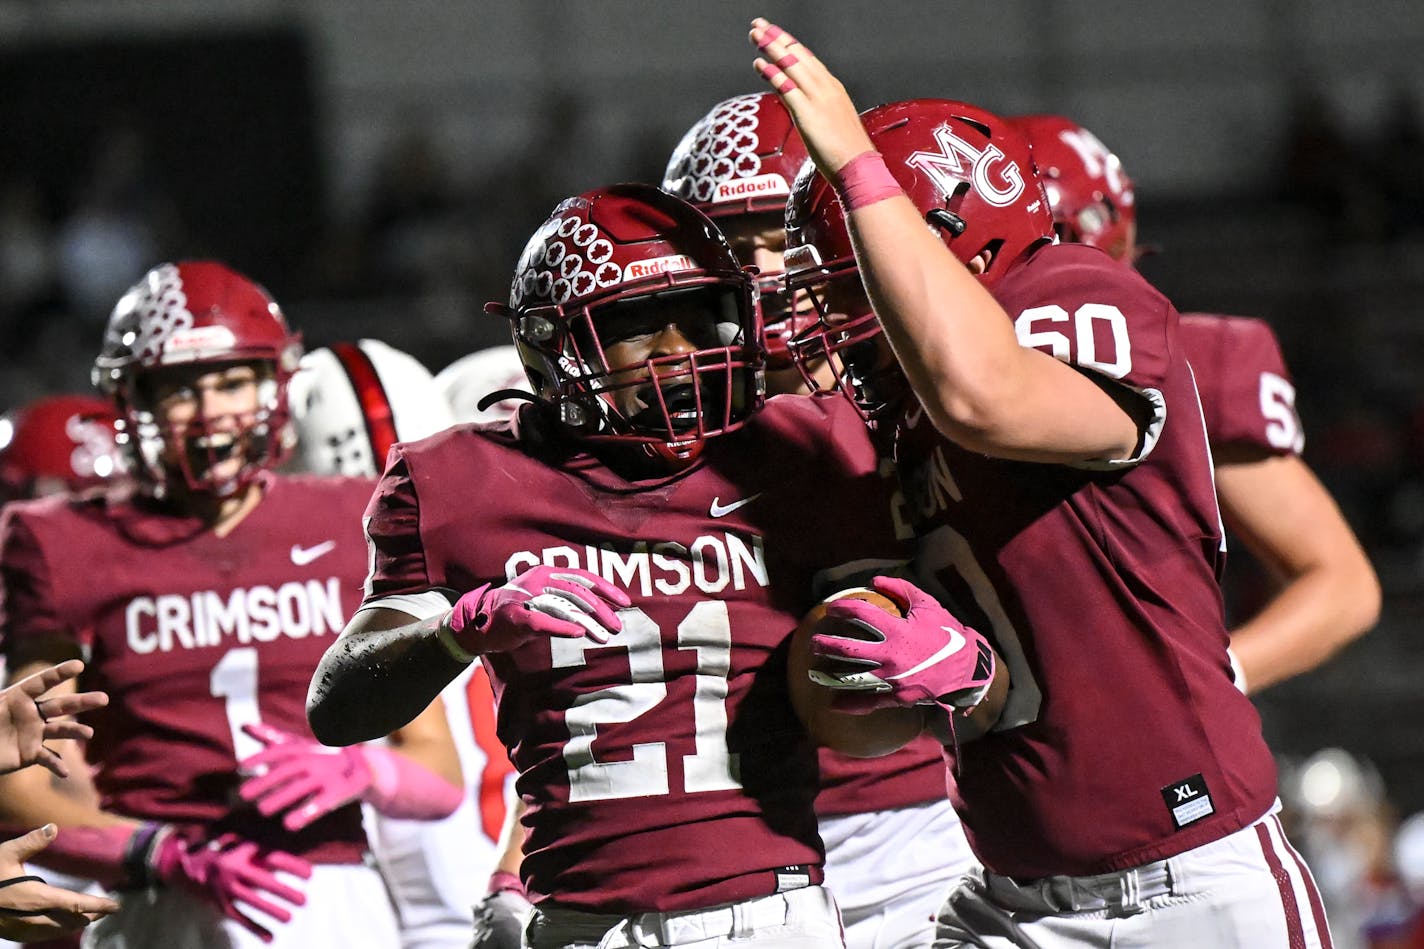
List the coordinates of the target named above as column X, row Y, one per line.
column 846, row 337
column 635, row 322
column 195, row 317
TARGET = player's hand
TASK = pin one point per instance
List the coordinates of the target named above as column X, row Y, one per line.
column 819, row 105
column 31, row 909
column 300, row 778
column 230, row 872
column 540, row 602
column 926, row 657
column 27, row 720
column 500, row 918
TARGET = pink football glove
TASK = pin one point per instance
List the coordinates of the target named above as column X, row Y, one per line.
column 308, row 780
column 541, row 601
column 228, row 870
column 926, row 657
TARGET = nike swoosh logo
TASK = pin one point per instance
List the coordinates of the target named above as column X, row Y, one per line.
column 912, row 417
column 722, row 510
column 956, row 643
column 301, row 556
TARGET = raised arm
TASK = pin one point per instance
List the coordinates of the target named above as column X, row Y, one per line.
column 956, row 345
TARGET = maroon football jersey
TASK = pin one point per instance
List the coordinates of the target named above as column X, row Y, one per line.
column 1124, row 740
column 915, row 773
column 193, row 636
column 912, row 775
column 665, row 770
column 1246, row 391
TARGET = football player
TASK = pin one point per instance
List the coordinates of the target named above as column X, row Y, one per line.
column 893, row 841
column 630, row 577
column 57, row 443
column 203, row 599
column 1125, row 793
column 350, row 403
column 1328, row 594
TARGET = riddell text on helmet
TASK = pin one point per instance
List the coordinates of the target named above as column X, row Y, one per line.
column 651, row 268
column 750, row 187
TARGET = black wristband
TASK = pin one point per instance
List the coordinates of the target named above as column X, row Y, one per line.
column 8, row 911
column 137, row 864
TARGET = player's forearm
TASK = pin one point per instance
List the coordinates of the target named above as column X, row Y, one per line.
column 404, row 788
column 91, row 843
column 953, row 341
column 372, row 682
column 511, row 838
column 428, row 742
column 1311, row 618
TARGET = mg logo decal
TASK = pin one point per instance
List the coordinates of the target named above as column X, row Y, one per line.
column 993, row 177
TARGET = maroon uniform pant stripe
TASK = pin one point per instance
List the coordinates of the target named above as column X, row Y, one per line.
column 1283, row 882
column 1317, row 905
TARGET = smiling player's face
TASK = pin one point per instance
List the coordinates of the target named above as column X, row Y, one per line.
column 204, row 414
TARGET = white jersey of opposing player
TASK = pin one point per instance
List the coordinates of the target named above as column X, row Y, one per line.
column 437, row 870
column 470, row 378
column 351, row 401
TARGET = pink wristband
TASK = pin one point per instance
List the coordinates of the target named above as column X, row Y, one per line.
column 404, row 789
column 864, row 180
column 502, row 881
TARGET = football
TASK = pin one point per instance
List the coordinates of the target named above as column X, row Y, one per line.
column 869, row 596
column 835, row 667
column 862, row 736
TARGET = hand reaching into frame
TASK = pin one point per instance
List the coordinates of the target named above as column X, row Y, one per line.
column 29, row 718
column 30, row 909
column 819, row 105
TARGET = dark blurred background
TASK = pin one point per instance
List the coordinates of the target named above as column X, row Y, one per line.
column 379, row 165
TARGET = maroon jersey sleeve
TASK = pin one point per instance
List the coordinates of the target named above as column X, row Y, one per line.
column 1246, row 391
column 32, row 626
column 27, row 597
column 392, row 522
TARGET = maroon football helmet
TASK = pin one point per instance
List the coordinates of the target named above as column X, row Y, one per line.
column 602, row 265
column 197, row 313
column 969, row 172
column 1091, row 196
column 738, row 162
column 57, row 443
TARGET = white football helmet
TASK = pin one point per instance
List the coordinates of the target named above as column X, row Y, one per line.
column 470, row 378
column 351, row 401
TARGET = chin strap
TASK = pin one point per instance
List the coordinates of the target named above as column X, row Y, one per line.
column 503, row 395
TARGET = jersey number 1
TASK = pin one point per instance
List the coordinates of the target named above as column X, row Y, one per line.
column 234, row 680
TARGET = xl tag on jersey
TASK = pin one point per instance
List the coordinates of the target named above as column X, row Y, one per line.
column 792, row 878
column 1188, row 800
